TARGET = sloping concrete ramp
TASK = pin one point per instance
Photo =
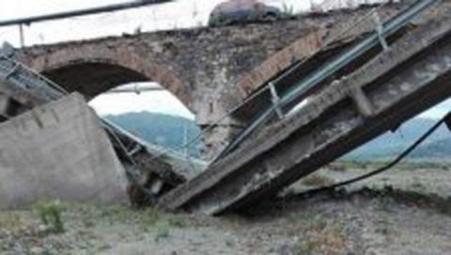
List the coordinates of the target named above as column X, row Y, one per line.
column 58, row 151
column 411, row 76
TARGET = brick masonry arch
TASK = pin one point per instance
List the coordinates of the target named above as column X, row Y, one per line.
column 93, row 69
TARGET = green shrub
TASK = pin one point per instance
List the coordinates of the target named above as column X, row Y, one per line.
column 50, row 214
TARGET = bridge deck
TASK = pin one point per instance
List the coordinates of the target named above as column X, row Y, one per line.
column 393, row 87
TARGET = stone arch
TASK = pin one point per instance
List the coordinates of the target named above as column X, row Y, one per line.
column 93, row 69
column 282, row 59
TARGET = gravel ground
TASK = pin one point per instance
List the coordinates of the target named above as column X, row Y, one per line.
column 402, row 212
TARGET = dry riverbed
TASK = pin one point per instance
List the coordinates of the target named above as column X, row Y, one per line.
column 403, row 212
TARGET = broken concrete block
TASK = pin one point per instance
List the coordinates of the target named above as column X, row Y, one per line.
column 58, row 151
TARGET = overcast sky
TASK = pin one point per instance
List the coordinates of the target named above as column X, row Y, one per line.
column 176, row 14
column 179, row 14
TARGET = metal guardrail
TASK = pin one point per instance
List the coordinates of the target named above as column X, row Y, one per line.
column 26, row 79
column 135, row 88
column 154, row 149
column 326, row 70
column 82, row 12
column 19, row 75
column 77, row 13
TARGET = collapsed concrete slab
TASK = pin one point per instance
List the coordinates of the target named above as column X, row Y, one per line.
column 58, row 151
column 406, row 79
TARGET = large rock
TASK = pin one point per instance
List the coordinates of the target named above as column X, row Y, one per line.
column 58, row 151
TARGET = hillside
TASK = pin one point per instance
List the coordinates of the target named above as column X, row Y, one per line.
column 168, row 130
column 161, row 129
column 391, row 144
column 439, row 150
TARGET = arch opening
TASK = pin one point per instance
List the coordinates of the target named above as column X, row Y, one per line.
column 153, row 114
column 161, row 116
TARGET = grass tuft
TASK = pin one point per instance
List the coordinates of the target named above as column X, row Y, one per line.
column 50, row 214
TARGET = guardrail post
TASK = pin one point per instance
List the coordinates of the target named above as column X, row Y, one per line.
column 275, row 99
column 21, row 36
column 380, row 31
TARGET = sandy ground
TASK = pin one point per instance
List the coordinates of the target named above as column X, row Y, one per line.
column 403, row 212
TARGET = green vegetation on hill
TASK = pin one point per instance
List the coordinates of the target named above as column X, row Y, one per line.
column 390, row 144
column 168, row 131
column 440, row 150
column 161, row 129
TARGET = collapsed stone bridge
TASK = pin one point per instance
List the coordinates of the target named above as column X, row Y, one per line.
column 207, row 69
column 364, row 83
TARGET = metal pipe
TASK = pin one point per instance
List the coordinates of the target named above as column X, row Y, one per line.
column 82, row 12
column 136, row 88
column 118, row 91
column 329, row 68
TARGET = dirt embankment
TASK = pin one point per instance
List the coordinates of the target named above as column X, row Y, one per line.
column 403, row 212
